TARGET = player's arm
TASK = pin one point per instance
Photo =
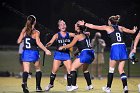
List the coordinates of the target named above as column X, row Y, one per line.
column 52, row 40
column 129, row 30
column 39, row 43
column 21, row 36
column 87, row 33
column 136, row 41
column 75, row 39
column 72, row 34
column 91, row 26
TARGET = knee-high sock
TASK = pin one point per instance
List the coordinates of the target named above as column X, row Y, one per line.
column 87, row 77
column 52, row 78
column 73, row 78
column 110, row 79
column 38, row 78
column 68, row 80
column 124, row 79
column 25, row 77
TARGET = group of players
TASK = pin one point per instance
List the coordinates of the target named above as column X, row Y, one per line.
column 31, row 38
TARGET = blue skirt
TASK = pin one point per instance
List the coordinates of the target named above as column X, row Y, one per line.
column 62, row 56
column 86, row 56
column 30, row 55
column 118, row 52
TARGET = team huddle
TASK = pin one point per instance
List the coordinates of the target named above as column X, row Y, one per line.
column 118, row 53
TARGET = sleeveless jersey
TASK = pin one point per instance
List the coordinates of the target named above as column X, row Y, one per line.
column 84, row 44
column 61, row 41
column 29, row 43
column 116, row 36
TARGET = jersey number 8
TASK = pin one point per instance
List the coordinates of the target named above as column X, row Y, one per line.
column 118, row 36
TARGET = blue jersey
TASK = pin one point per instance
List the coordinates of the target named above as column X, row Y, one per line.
column 64, row 54
column 86, row 53
column 30, row 50
column 118, row 48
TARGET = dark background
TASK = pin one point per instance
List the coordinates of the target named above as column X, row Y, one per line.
column 48, row 12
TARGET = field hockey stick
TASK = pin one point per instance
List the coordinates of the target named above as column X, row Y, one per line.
column 43, row 59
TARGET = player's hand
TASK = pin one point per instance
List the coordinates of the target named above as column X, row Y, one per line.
column 135, row 29
column 132, row 52
column 48, row 52
column 81, row 22
column 60, row 48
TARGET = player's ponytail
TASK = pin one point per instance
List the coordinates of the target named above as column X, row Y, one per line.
column 114, row 19
column 30, row 22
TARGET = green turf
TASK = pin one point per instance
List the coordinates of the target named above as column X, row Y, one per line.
column 13, row 85
column 9, row 62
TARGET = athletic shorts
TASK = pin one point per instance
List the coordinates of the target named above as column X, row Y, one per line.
column 30, row 55
column 118, row 52
column 86, row 56
column 62, row 56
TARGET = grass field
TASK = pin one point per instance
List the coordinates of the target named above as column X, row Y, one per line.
column 9, row 61
column 13, row 85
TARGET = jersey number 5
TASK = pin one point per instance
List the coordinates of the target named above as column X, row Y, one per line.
column 28, row 45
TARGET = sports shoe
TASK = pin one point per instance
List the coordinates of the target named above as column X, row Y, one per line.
column 47, row 88
column 125, row 90
column 139, row 87
column 38, row 89
column 106, row 89
column 72, row 88
column 25, row 88
column 68, row 87
column 89, row 87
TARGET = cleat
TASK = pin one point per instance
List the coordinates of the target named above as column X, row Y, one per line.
column 48, row 87
column 139, row 87
column 25, row 88
column 68, row 87
column 106, row 89
column 38, row 89
column 72, row 88
column 125, row 90
column 89, row 87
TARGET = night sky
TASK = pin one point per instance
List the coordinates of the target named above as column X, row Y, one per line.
column 48, row 12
